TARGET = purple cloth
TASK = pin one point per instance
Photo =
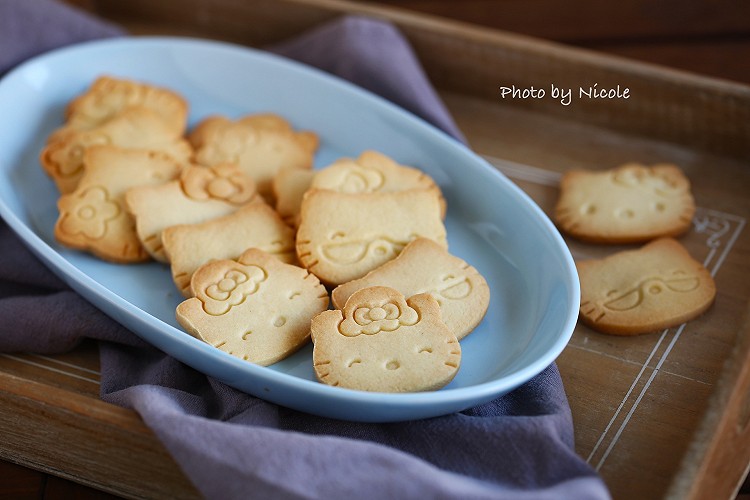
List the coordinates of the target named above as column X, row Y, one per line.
column 232, row 445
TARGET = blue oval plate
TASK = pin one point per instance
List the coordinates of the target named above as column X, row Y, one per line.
column 491, row 223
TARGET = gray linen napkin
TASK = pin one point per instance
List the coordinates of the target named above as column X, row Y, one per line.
column 232, row 445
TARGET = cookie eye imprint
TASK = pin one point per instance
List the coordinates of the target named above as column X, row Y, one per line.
column 658, row 206
column 588, row 209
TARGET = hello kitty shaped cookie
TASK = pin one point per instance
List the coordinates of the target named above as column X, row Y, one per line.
column 134, row 128
column 260, row 144
column 371, row 172
column 109, row 96
column 189, row 246
column 256, row 308
column 385, row 343
column 94, row 217
column 426, row 267
column 639, row 291
column 628, row 204
column 344, row 236
column 199, row 195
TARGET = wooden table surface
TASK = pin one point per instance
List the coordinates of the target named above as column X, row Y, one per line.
column 711, row 38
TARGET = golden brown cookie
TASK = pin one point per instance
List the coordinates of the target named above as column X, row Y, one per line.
column 94, row 217
column 426, row 267
column 255, row 308
column 199, row 195
column 289, row 187
column 385, row 343
column 629, row 204
column 639, row 291
column 108, row 97
column 255, row 225
column 343, row 236
column 371, row 172
column 261, row 144
column 134, row 128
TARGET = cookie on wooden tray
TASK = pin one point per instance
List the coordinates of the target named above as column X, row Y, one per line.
column 256, row 225
column 261, row 144
column 426, row 267
column 629, row 204
column 94, row 217
column 255, row 308
column 134, row 128
column 200, row 194
column 638, row 291
column 343, row 236
column 109, row 96
column 383, row 342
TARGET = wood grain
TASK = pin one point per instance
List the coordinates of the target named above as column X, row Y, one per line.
column 702, row 36
column 589, row 20
column 661, row 416
column 81, row 438
column 720, row 454
column 477, row 61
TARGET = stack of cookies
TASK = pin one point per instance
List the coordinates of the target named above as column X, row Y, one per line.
column 256, row 239
column 641, row 290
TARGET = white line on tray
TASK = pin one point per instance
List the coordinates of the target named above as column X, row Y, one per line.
column 39, row 365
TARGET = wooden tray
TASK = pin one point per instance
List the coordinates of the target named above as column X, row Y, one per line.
column 662, row 415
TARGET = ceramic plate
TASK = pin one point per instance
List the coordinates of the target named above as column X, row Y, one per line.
column 491, row 223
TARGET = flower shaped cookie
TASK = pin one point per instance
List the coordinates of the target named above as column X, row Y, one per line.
column 88, row 212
